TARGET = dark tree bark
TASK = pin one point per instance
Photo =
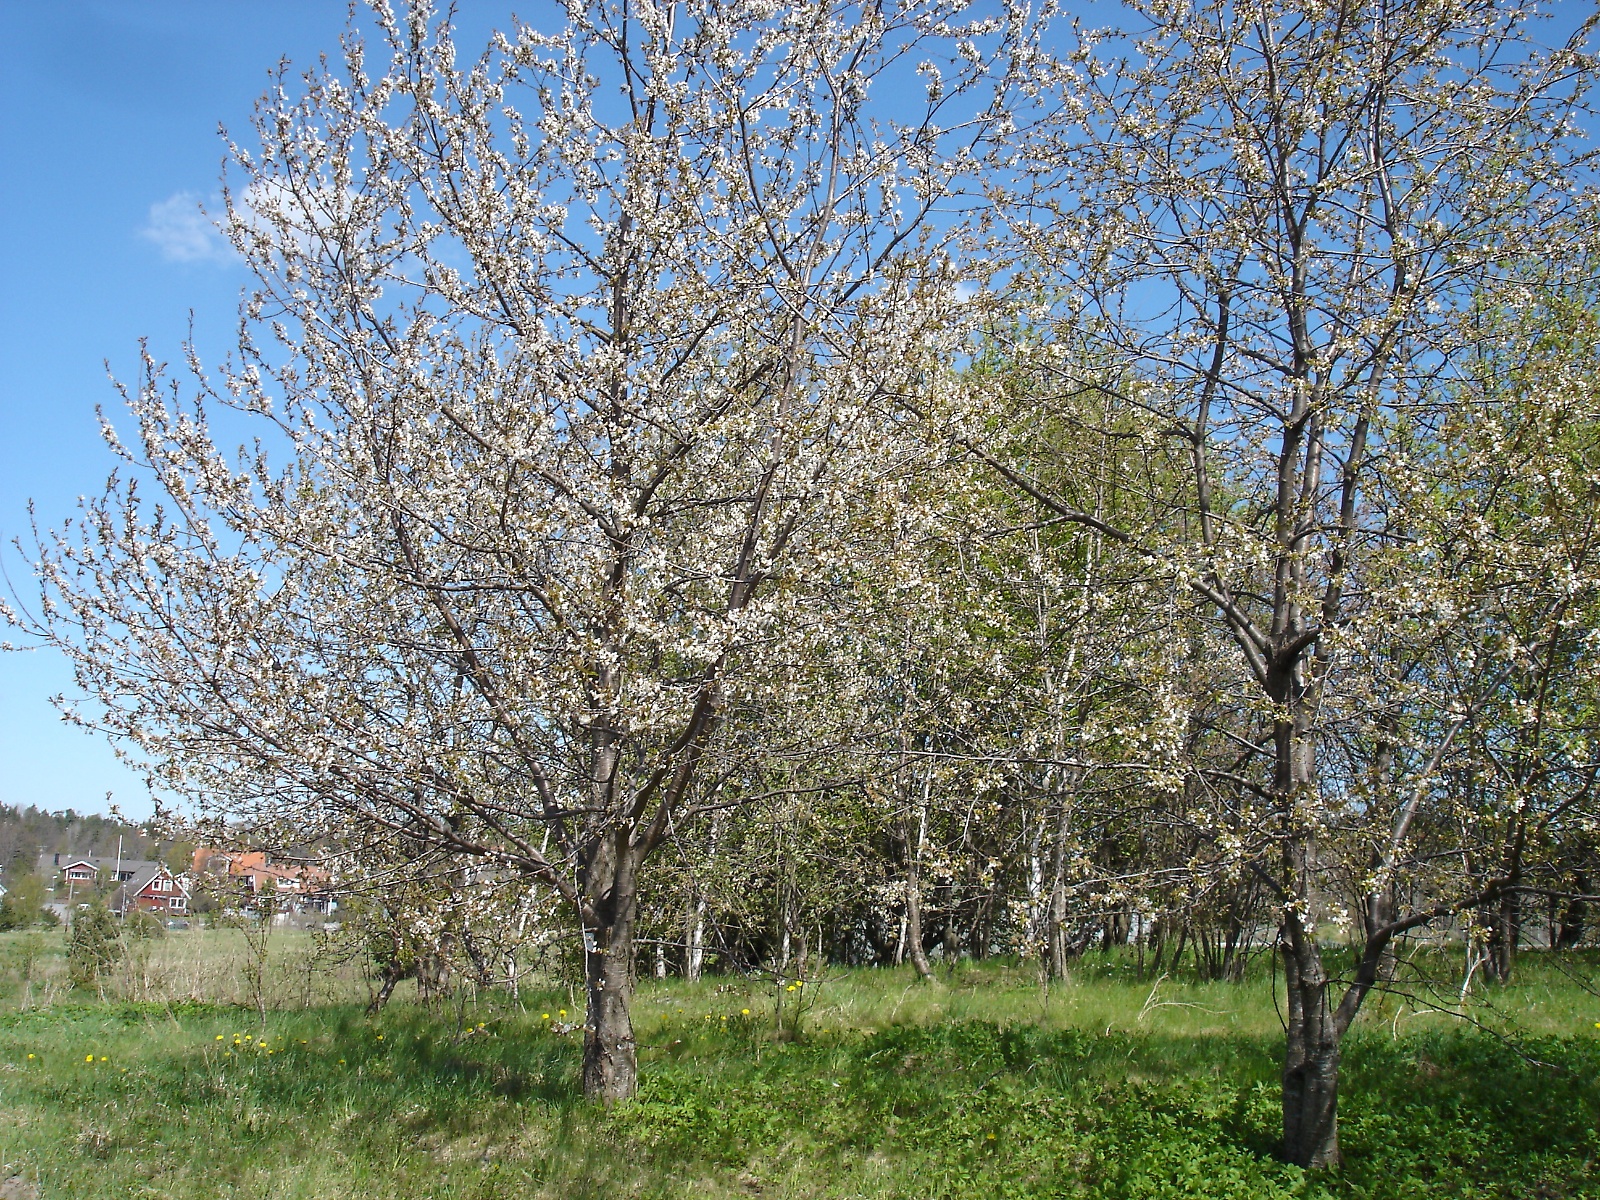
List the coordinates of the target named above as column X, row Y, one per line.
column 1311, row 1057
column 610, row 1061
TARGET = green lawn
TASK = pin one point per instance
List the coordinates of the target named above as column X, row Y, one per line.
column 978, row 1086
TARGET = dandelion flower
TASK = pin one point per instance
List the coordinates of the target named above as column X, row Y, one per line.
column 745, row 1012
column 30, row 1056
column 562, row 1011
column 380, row 1037
column 219, row 1037
column 545, row 1017
column 103, row 1058
column 88, row 1058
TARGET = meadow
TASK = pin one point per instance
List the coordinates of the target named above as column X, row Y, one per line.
column 174, row 1084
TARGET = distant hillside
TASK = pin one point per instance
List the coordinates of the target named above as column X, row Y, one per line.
column 26, row 833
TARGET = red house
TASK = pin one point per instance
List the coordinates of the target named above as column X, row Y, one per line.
column 155, row 889
column 79, row 871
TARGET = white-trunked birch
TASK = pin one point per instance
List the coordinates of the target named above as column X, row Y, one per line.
column 1272, row 216
column 570, row 362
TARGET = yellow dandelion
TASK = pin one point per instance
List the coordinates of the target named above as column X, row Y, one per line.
column 380, row 1037
column 30, row 1056
column 341, row 1062
column 562, row 1011
column 545, row 1017
column 88, row 1058
column 745, row 1012
column 724, row 1018
column 991, row 1137
column 103, row 1058
column 219, row 1037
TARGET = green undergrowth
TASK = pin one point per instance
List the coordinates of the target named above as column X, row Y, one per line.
column 908, row 1093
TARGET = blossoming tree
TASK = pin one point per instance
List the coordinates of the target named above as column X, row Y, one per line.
column 565, row 365
column 1276, row 216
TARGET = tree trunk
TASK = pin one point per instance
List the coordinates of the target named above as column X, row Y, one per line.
column 1570, row 932
column 1500, row 955
column 911, row 937
column 919, row 955
column 695, row 953
column 1311, row 1046
column 1058, row 931
column 610, row 1066
column 1311, row 1058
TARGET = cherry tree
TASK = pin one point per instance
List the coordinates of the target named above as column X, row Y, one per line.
column 1277, row 218
column 566, row 366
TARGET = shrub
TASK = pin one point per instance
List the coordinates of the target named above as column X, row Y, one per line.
column 93, row 945
column 141, row 925
column 24, row 904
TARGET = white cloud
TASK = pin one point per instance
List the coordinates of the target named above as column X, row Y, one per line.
column 183, row 233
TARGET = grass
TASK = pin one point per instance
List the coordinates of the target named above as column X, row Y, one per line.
column 980, row 1085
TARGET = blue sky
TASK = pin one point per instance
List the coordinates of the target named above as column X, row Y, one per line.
column 108, row 141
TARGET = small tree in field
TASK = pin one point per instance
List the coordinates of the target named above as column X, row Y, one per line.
column 94, row 945
column 575, row 358
column 23, row 905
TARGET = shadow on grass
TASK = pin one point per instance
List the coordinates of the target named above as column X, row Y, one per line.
column 943, row 1109
column 1131, row 1114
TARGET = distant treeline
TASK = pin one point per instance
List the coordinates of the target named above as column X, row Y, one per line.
column 26, row 833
